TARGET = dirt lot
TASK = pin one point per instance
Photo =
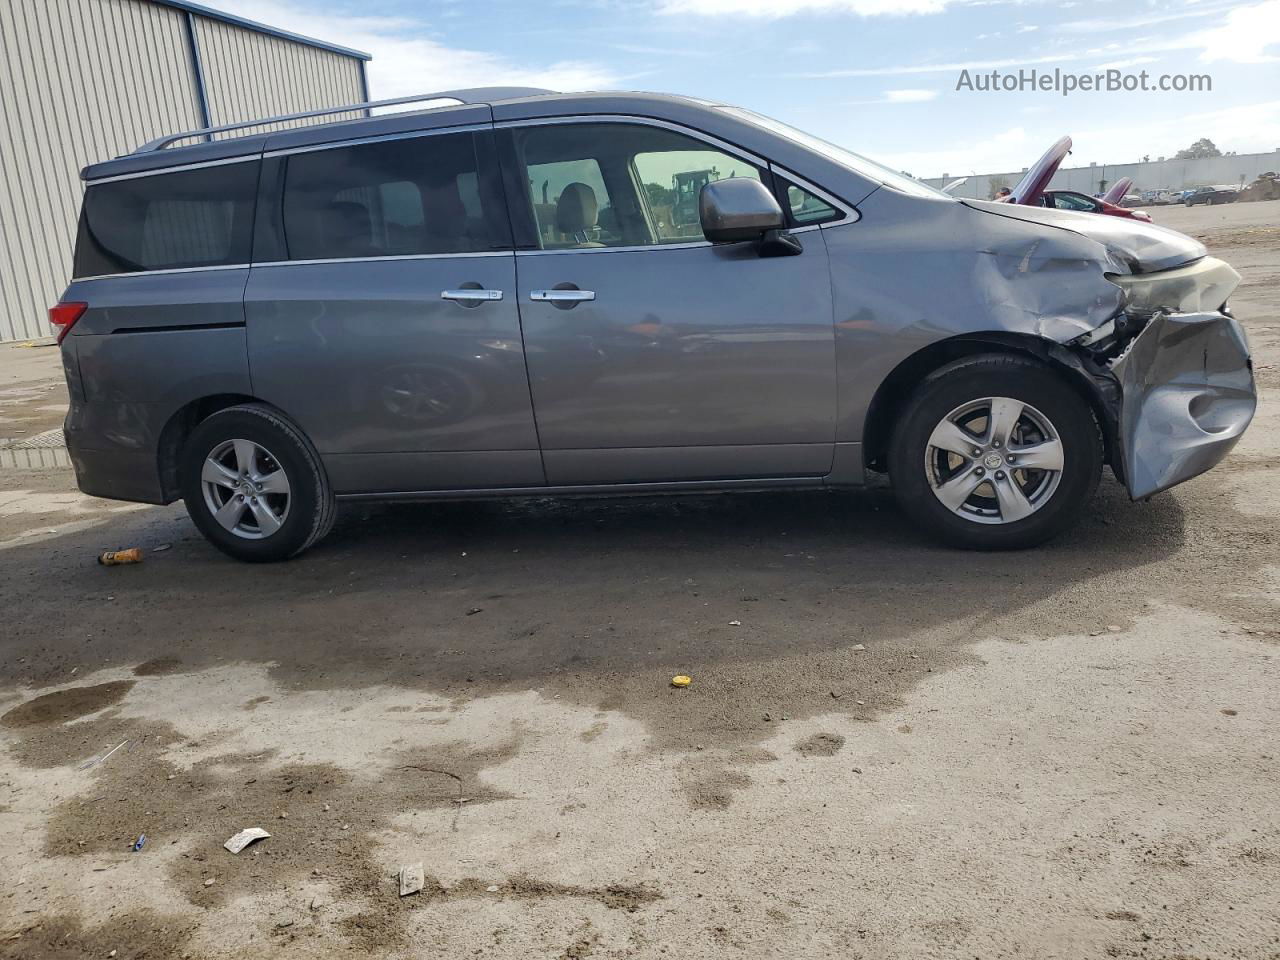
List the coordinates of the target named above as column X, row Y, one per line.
column 889, row 750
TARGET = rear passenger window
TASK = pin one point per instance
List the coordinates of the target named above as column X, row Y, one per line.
column 404, row 197
column 192, row 218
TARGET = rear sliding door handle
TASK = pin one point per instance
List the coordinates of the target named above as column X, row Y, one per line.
column 562, row 296
column 470, row 296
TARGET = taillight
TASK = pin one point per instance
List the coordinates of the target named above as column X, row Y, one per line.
column 63, row 316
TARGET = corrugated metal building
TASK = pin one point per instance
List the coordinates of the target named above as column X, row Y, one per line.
column 87, row 80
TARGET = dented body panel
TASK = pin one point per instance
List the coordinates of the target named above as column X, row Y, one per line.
column 1131, row 245
column 1188, row 395
column 1173, row 404
column 913, row 272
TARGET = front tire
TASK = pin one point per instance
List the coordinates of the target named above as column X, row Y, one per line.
column 254, row 486
column 995, row 452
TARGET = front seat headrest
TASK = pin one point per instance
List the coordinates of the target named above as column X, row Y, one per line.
column 576, row 209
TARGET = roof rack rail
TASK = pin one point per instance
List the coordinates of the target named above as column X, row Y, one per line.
column 468, row 95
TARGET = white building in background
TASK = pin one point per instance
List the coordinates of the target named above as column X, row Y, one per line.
column 1236, row 170
column 87, row 80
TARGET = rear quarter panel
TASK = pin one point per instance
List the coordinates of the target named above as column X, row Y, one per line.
column 148, row 345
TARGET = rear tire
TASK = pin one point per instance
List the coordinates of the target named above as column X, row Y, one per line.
column 995, row 452
column 254, row 485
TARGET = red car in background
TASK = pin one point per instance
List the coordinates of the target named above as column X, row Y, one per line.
column 1031, row 191
column 1070, row 200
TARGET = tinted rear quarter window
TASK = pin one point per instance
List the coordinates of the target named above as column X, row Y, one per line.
column 190, row 218
column 403, row 197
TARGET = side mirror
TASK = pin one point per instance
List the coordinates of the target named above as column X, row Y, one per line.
column 738, row 209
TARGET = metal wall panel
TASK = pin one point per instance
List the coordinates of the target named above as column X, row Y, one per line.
column 80, row 80
column 249, row 74
column 86, row 80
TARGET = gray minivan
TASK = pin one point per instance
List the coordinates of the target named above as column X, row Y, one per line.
column 529, row 293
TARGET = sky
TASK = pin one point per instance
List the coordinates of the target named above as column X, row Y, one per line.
column 878, row 77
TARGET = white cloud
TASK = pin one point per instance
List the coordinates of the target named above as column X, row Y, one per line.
column 1104, row 25
column 645, row 50
column 897, row 97
column 981, row 155
column 777, row 9
column 899, row 70
column 1249, row 128
column 1246, row 36
column 1251, row 34
column 407, row 61
column 909, row 96
column 1125, row 64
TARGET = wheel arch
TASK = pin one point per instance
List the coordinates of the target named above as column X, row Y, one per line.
column 895, row 390
column 174, row 434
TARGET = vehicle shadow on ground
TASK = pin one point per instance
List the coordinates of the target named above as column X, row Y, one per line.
column 601, row 601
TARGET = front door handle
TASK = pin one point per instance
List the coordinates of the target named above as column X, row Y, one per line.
column 470, row 296
column 562, row 296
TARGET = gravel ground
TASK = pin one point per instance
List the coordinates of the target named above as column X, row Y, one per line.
column 889, row 750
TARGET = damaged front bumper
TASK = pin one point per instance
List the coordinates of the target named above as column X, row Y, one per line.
column 1186, row 389
column 1187, row 395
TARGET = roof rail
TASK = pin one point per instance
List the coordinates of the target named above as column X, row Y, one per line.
column 468, row 95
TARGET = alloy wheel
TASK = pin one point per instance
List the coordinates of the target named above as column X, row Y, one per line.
column 245, row 489
column 995, row 460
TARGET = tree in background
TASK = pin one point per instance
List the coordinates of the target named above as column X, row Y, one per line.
column 1203, row 147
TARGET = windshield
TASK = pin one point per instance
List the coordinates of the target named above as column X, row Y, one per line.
column 846, row 158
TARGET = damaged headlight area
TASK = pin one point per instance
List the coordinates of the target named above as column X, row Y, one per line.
column 1182, row 364
column 1198, row 288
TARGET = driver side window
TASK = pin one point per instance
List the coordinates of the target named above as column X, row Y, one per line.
column 594, row 185
column 673, row 180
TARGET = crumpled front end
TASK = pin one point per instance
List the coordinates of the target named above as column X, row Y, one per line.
column 1185, row 376
column 1188, row 395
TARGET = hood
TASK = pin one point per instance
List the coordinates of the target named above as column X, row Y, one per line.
column 1140, row 246
column 1031, row 186
column 1118, row 190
